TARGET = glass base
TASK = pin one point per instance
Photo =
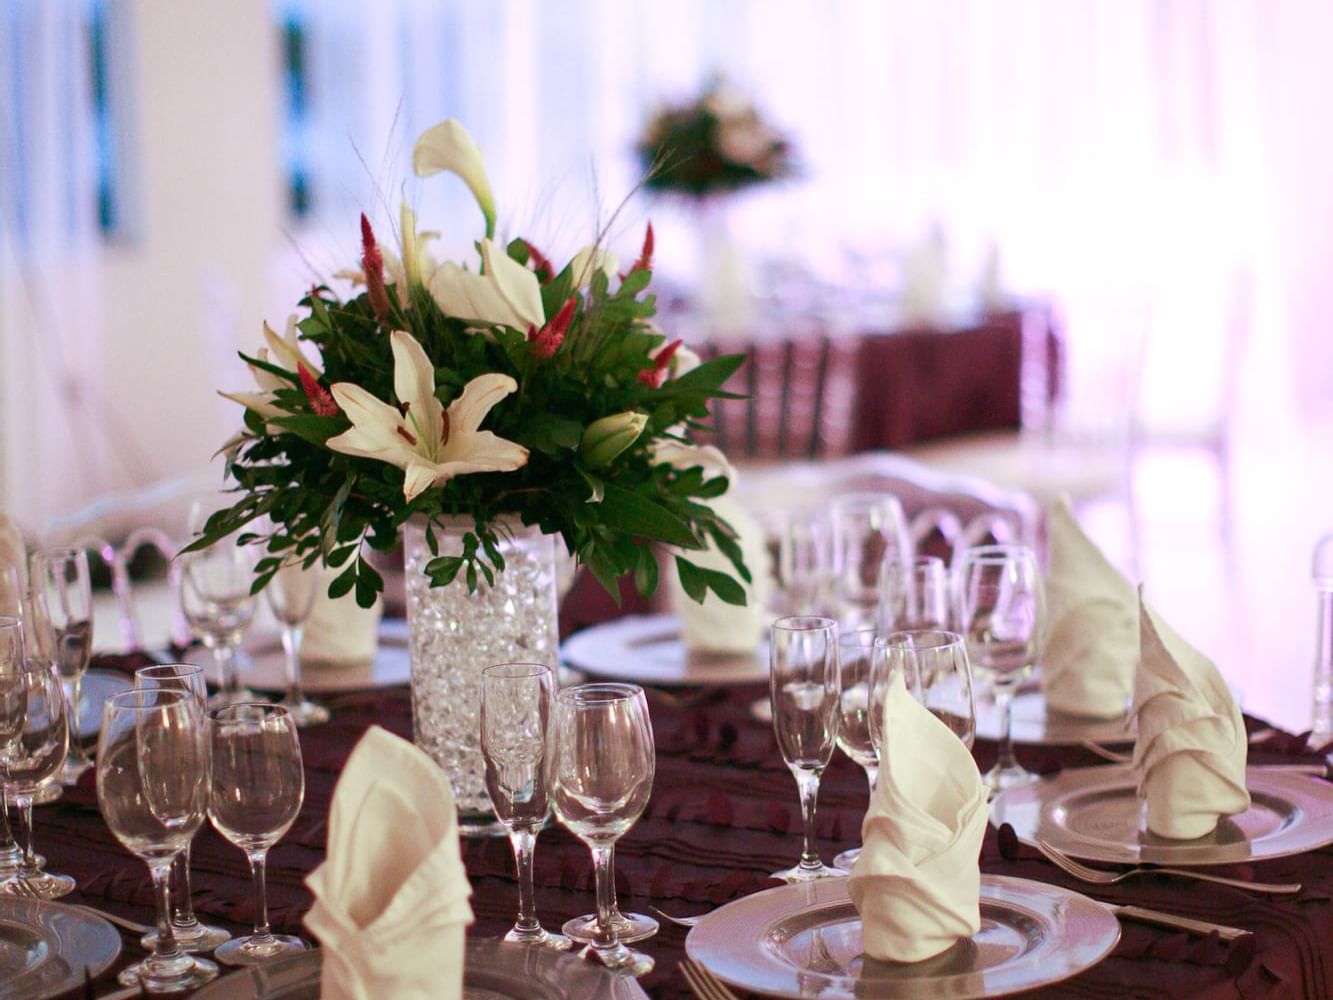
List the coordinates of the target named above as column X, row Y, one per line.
column 254, row 950
column 541, row 938
column 997, row 779
column 200, row 972
column 846, row 859
column 803, row 874
column 225, row 699
column 620, row 960
column 305, row 712
column 198, row 938
column 43, row 885
column 48, row 792
column 627, row 927
column 71, row 770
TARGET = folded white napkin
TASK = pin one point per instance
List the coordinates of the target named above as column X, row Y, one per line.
column 917, row 883
column 1092, row 645
column 1191, row 746
column 12, row 555
column 391, row 900
column 716, row 626
column 340, row 630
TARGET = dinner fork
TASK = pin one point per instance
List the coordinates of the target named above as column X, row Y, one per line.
column 1096, row 876
column 678, row 921
column 703, row 984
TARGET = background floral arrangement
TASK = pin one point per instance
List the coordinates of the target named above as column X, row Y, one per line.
column 715, row 143
column 586, row 409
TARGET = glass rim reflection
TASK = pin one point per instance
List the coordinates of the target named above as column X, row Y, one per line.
column 141, row 699
column 600, row 693
column 920, row 638
column 516, row 670
column 804, row 623
column 999, row 552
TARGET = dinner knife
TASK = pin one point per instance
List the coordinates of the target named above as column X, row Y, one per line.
column 1171, row 920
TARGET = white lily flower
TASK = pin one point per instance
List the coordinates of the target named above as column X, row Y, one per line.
column 448, row 146
column 684, row 456
column 430, row 443
column 284, row 352
column 416, row 260
column 507, row 294
column 588, row 261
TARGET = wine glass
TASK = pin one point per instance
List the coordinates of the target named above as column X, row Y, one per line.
column 11, row 659
column 602, row 766
column 291, row 596
column 803, row 685
column 935, row 667
column 62, row 586
column 216, row 601
column 913, row 594
column 805, row 555
column 868, row 528
column 258, row 788
column 153, row 789
column 1001, row 612
column 855, row 654
column 515, row 726
column 192, row 934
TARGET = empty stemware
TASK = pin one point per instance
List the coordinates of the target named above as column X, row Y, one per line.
column 804, row 562
column 62, row 589
column 803, row 685
column 913, row 594
column 1001, row 612
column 153, row 789
column 258, row 788
column 291, row 596
column 216, row 601
column 11, row 661
column 190, row 931
column 602, row 767
column 516, row 704
column 936, row 669
column 856, row 650
column 868, row 529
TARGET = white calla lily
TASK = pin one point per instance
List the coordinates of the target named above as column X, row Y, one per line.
column 507, row 294
column 429, row 442
column 588, row 261
column 448, row 146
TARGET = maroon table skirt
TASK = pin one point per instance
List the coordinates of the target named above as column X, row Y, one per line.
column 723, row 815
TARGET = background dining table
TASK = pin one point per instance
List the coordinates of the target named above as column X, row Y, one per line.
column 723, row 815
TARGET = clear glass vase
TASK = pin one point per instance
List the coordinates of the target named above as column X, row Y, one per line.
column 456, row 633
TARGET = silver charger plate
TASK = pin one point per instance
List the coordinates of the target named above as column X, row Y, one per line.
column 1033, row 723
column 1095, row 813
column 45, row 947
column 492, row 970
column 805, row 940
column 648, row 649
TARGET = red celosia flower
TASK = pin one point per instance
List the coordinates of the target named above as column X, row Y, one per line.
column 541, row 264
column 652, row 377
column 645, row 261
column 546, row 341
column 372, row 263
column 321, row 400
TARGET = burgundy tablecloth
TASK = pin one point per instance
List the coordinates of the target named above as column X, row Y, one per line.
column 724, row 814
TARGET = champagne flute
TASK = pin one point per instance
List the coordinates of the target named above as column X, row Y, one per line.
column 1001, row 612
column 913, row 594
column 216, row 601
column 291, row 596
column 258, row 788
column 515, row 726
column 805, row 556
column 37, row 726
column 601, row 778
column 936, row 669
column 153, row 789
column 62, row 585
column 803, row 685
column 11, row 715
column 192, row 934
column 868, row 528
column 856, row 651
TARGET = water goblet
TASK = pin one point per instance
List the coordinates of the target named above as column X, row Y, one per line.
column 1001, row 613
column 913, row 594
column 803, row 685
column 868, row 529
column 516, row 703
column 153, row 789
column 935, row 667
column 11, row 660
column 602, row 766
column 216, row 601
column 62, row 589
column 291, row 597
column 37, row 726
column 856, row 650
column 258, row 788
column 191, row 933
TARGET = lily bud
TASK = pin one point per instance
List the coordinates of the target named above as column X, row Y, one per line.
column 606, row 438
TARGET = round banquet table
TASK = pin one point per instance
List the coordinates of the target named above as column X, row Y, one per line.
column 723, row 814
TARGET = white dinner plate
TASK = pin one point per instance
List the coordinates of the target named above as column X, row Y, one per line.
column 804, row 940
column 1095, row 813
column 45, row 948
column 648, row 649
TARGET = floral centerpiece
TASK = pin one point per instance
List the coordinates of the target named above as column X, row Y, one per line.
column 716, row 143
column 501, row 392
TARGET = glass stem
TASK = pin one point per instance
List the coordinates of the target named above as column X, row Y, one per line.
column 291, row 648
column 183, row 914
column 75, row 733
column 29, row 868
column 229, row 680
column 168, row 948
column 1004, row 701
column 524, row 843
column 807, row 782
column 872, row 776
column 257, row 869
column 603, row 859
column 7, row 845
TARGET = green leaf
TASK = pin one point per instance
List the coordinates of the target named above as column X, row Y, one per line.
column 634, row 283
column 343, row 582
column 595, row 484
column 697, row 581
column 712, row 374
column 645, row 572
column 691, row 580
column 634, row 513
column 443, row 570
column 368, row 584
